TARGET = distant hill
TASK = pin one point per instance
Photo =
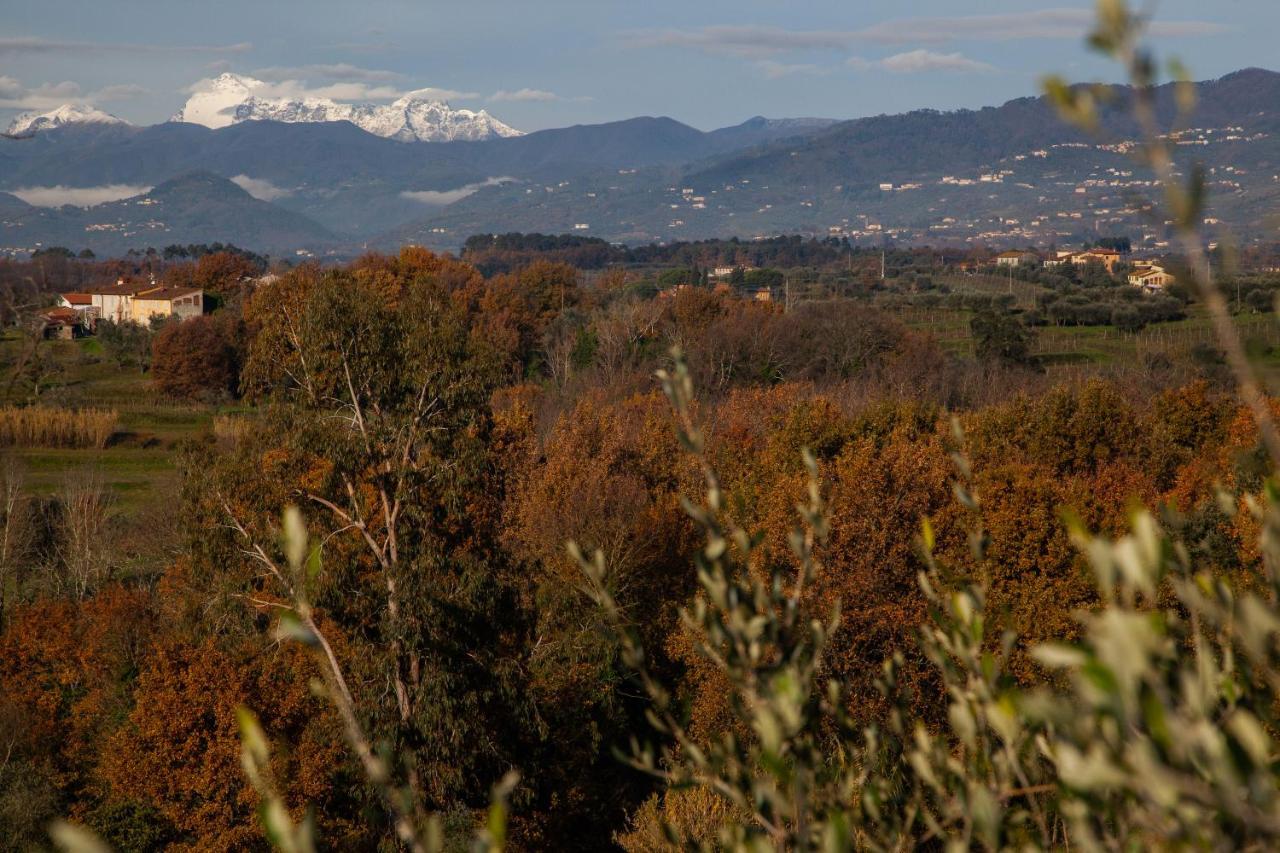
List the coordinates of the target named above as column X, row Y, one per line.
column 185, row 209
column 953, row 178
column 929, row 141
column 351, row 180
column 11, row 205
column 1013, row 175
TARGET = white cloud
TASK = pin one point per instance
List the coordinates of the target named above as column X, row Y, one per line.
column 921, row 61
column 118, row 92
column 431, row 93
column 294, row 89
column 775, row 70
column 56, row 196
column 753, row 42
column 299, row 89
column 14, row 45
column 440, row 198
column 10, row 89
column 524, row 95
column 1058, row 23
column 336, row 71
column 260, row 188
column 46, row 96
column 762, row 42
column 333, row 91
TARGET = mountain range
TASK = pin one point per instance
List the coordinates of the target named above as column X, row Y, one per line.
column 413, row 117
column 1013, row 174
column 30, row 123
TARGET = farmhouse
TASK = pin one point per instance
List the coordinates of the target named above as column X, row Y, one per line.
column 123, row 302
column 63, row 323
column 1107, row 257
column 82, row 305
column 180, row 302
column 1014, row 257
column 1150, row 277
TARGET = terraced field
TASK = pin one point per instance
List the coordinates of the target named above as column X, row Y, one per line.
column 137, row 464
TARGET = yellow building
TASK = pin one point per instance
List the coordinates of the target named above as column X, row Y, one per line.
column 137, row 303
column 163, row 301
column 1150, row 277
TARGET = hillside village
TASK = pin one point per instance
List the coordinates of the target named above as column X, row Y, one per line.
column 1148, row 275
column 1045, row 195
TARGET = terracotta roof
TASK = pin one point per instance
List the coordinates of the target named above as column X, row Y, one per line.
column 61, row 315
column 146, row 290
column 78, row 298
column 162, row 292
column 125, row 289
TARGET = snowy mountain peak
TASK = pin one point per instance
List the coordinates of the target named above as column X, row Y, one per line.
column 213, row 102
column 29, row 123
column 414, row 117
column 239, row 82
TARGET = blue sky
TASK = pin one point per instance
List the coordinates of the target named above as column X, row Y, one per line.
column 550, row 63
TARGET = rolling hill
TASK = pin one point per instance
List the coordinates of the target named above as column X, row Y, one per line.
column 179, row 210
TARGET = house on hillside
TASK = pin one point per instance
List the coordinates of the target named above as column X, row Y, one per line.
column 181, row 302
column 81, row 303
column 1150, row 277
column 1060, row 257
column 63, row 324
column 125, row 302
column 1108, row 258
column 1015, row 257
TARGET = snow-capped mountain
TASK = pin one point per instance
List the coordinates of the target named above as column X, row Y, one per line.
column 231, row 98
column 29, row 123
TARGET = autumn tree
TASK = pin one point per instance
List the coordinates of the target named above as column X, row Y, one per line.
column 199, row 358
column 177, row 753
column 65, row 682
column 377, row 423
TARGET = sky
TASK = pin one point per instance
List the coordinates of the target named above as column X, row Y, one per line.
column 550, row 63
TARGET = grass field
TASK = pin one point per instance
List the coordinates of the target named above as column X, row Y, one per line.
column 1072, row 347
column 138, row 462
column 1023, row 292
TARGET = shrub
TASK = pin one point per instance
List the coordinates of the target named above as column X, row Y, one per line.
column 48, row 426
column 230, row 429
column 999, row 338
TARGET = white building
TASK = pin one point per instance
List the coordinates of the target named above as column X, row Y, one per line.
column 138, row 303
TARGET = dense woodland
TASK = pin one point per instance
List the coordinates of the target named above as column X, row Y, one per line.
column 445, row 434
